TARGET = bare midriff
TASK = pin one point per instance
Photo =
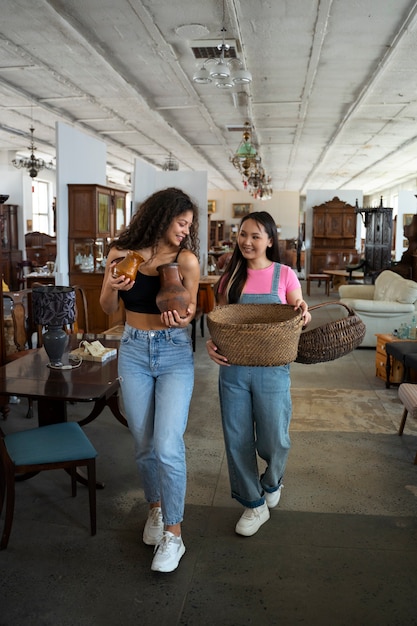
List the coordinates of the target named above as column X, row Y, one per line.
column 145, row 321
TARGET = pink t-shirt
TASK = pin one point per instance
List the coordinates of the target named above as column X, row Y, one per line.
column 260, row 281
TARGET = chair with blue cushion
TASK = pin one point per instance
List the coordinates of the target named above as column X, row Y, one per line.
column 58, row 446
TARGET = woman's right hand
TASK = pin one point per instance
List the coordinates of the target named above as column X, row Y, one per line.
column 212, row 350
column 119, row 283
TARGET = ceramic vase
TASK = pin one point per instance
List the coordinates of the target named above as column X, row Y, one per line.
column 128, row 266
column 172, row 295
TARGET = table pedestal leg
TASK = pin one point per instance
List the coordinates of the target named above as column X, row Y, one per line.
column 51, row 411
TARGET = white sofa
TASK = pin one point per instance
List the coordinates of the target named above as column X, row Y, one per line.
column 384, row 306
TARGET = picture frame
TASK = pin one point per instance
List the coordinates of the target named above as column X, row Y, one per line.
column 407, row 219
column 239, row 210
column 211, row 206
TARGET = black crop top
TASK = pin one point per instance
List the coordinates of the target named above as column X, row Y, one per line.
column 142, row 297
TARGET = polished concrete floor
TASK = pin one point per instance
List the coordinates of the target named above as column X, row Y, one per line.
column 340, row 549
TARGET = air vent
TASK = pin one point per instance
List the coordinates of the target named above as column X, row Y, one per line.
column 238, row 128
column 208, row 48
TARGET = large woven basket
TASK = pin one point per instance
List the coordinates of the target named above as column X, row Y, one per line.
column 256, row 334
column 331, row 340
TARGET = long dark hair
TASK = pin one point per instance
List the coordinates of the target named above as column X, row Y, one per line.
column 152, row 219
column 236, row 271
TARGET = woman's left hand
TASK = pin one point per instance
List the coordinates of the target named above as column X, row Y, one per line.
column 301, row 304
column 172, row 319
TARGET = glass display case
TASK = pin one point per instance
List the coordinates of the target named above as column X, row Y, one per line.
column 88, row 255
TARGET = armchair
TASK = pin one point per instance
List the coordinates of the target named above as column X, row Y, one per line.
column 384, row 306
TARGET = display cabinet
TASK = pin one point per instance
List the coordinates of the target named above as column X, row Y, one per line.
column 334, row 231
column 97, row 214
column 96, row 211
column 216, row 232
column 10, row 253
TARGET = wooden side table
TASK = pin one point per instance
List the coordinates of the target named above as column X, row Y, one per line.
column 325, row 278
column 395, row 372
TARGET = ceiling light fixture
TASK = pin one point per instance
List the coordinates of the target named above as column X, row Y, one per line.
column 171, row 164
column 245, row 156
column 221, row 70
column 249, row 164
column 32, row 164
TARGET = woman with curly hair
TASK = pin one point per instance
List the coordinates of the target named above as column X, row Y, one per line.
column 156, row 360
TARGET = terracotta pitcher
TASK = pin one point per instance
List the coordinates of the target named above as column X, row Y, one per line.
column 128, row 266
column 172, row 295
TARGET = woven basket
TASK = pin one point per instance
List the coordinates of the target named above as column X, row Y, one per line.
column 332, row 340
column 256, row 334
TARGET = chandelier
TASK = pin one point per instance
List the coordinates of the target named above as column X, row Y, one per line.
column 171, row 164
column 224, row 72
column 249, row 164
column 246, row 155
column 32, row 164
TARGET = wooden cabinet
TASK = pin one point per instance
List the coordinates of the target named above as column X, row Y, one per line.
column 10, row 253
column 378, row 239
column 334, row 231
column 97, row 214
column 216, row 232
column 96, row 211
column 40, row 248
column 397, row 368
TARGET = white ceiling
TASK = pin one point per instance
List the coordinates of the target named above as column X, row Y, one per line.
column 333, row 100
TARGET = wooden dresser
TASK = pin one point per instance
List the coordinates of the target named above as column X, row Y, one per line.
column 397, row 368
column 334, row 232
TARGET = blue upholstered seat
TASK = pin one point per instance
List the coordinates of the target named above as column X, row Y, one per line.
column 49, row 444
column 57, row 446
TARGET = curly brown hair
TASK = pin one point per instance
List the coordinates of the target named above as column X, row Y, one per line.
column 152, row 219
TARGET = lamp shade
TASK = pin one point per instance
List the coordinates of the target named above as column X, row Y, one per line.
column 53, row 305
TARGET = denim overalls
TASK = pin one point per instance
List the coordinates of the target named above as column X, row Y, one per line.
column 256, row 411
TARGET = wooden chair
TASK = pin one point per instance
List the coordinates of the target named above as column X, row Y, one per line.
column 22, row 340
column 58, row 446
column 407, row 394
column 81, row 324
column 23, row 268
column 205, row 304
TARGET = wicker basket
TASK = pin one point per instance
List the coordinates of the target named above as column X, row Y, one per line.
column 333, row 339
column 256, row 334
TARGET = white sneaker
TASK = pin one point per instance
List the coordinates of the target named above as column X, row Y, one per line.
column 273, row 498
column 154, row 527
column 168, row 553
column 252, row 520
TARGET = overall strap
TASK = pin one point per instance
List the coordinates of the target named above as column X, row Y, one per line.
column 275, row 278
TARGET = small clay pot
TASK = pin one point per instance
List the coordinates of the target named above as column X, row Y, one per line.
column 172, row 295
column 128, row 266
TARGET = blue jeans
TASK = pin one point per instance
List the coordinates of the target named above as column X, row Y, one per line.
column 156, row 370
column 256, row 411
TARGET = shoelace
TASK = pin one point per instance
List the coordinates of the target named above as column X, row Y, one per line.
column 155, row 515
column 163, row 545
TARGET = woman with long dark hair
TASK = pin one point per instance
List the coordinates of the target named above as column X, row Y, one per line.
column 156, row 365
column 255, row 402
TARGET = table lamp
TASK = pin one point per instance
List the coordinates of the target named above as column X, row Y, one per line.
column 54, row 307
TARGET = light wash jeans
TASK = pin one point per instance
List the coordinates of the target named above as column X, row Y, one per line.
column 156, row 370
column 256, row 411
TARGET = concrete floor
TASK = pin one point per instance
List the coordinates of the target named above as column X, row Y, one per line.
column 341, row 548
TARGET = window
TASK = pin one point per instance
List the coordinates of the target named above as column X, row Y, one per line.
column 42, row 218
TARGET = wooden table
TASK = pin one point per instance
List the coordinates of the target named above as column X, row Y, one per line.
column 338, row 277
column 39, row 277
column 209, row 280
column 31, row 377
